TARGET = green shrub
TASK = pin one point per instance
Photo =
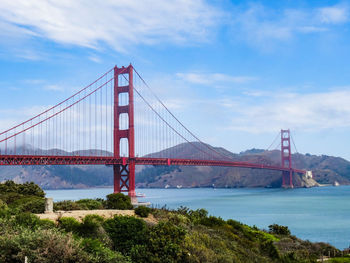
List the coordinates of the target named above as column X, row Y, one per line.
column 91, row 226
column 194, row 215
column 118, row 201
column 31, row 204
column 3, row 205
column 270, row 249
column 212, row 221
column 46, row 224
column 164, row 244
column 142, row 211
column 125, row 232
column 89, row 204
column 27, row 220
column 66, row 205
column 279, row 230
column 69, row 224
column 23, row 189
column 41, row 245
column 101, row 253
column 31, row 188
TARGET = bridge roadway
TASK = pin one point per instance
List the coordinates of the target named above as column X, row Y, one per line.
column 110, row 160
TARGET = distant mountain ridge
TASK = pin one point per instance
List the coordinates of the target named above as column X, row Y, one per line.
column 326, row 170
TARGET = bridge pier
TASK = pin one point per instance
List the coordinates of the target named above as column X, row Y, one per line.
column 124, row 174
column 286, row 159
column 124, row 179
column 287, row 179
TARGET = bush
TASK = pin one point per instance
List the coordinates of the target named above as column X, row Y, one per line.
column 46, row 224
column 212, row 221
column 163, row 244
column 270, row 249
column 89, row 204
column 279, row 230
column 44, row 246
column 91, row 226
column 118, row 201
column 27, row 220
column 23, row 189
column 66, row 205
column 31, row 204
column 142, row 211
column 69, row 224
column 101, row 253
column 3, row 205
column 194, row 215
column 125, row 232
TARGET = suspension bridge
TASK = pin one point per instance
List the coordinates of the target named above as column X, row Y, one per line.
column 119, row 121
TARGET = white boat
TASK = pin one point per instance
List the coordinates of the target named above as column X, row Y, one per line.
column 140, row 195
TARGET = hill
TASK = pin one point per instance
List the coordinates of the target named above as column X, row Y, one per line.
column 112, row 230
column 326, row 170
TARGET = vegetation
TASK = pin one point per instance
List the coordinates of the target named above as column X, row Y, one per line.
column 181, row 235
column 118, row 201
column 27, row 197
column 279, row 230
column 142, row 211
column 83, row 204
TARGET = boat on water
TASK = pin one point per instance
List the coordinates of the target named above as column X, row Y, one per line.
column 140, row 195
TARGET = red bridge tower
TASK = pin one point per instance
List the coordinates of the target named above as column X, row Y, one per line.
column 124, row 174
column 286, row 158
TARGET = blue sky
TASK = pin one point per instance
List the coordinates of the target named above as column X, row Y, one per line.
column 235, row 72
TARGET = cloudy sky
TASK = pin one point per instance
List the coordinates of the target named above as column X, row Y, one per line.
column 235, row 72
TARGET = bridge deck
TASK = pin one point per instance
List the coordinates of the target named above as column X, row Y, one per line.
column 105, row 160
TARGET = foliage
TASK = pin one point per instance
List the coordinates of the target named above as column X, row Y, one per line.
column 339, row 260
column 69, row 224
column 90, row 204
column 101, row 253
column 195, row 216
column 212, row 221
column 83, row 204
column 92, row 226
column 46, row 224
column 27, row 197
column 125, row 232
column 142, row 211
column 27, row 220
column 66, row 205
column 44, row 246
column 118, row 201
column 163, row 244
column 28, row 188
column 279, row 230
column 31, row 204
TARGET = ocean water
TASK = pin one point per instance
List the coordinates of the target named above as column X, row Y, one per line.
column 316, row 214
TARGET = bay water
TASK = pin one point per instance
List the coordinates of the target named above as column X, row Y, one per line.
column 317, row 214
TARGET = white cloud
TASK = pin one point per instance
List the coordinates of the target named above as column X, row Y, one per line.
column 333, row 15
column 261, row 26
column 116, row 23
column 315, row 111
column 212, row 78
column 53, row 88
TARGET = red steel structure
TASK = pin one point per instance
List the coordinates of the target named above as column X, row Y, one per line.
column 85, row 119
column 124, row 173
column 286, row 158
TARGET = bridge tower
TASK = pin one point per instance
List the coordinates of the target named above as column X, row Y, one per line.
column 286, row 159
column 124, row 174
